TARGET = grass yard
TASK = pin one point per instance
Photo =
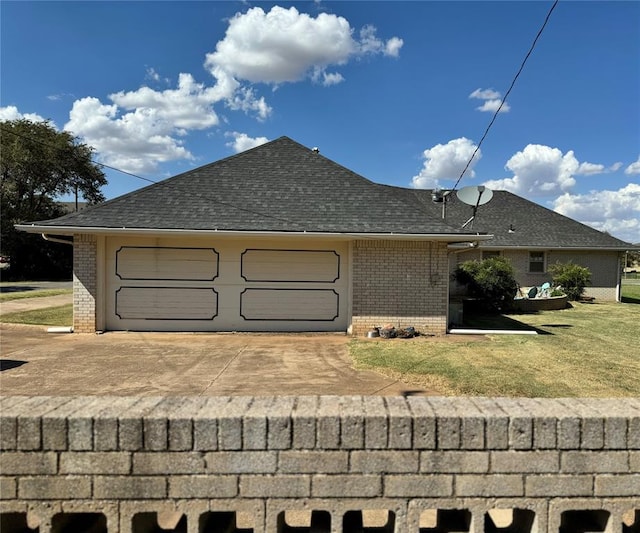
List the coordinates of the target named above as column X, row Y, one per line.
column 631, row 291
column 588, row 350
column 50, row 316
column 21, row 295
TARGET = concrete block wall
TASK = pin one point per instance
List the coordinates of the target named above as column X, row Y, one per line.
column 405, row 283
column 323, row 464
column 84, row 283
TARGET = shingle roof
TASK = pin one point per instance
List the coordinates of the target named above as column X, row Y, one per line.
column 282, row 186
column 278, row 186
column 532, row 225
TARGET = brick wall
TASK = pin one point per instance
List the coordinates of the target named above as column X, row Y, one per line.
column 84, row 283
column 404, row 283
column 325, row 464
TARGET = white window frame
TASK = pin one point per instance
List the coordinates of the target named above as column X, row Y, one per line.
column 543, row 262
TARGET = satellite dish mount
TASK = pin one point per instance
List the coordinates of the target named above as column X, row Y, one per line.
column 475, row 196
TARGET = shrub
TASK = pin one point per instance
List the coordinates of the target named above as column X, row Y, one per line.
column 571, row 277
column 491, row 280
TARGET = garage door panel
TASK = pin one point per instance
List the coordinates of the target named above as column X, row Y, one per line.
column 166, row 263
column 290, row 304
column 290, row 265
column 163, row 303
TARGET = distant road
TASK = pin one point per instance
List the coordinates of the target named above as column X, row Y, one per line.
column 23, row 286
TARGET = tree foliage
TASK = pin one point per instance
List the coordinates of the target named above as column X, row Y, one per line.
column 39, row 164
column 572, row 278
column 492, row 281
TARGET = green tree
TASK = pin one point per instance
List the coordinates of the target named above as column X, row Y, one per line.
column 572, row 278
column 492, row 281
column 39, row 164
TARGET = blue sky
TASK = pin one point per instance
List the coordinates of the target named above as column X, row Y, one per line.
column 400, row 92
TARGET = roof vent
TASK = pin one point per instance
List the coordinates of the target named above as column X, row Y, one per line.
column 315, row 150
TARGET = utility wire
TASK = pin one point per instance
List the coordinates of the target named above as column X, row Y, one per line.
column 495, row 115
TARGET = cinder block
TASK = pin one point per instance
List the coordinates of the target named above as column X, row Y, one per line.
column 392, row 461
column 205, row 434
column 524, row 461
column 188, row 487
column 569, row 433
column 130, row 425
column 619, row 485
column 583, row 462
column 400, row 423
column 229, row 419
column 634, row 461
column 129, row 487
column 454, row 462
column 95, row 463
column 424, row 423
column 155, row 434
column 615, row 433
column 279, row 423
column 447, row 423
column 20, row 463
column 311, row 462
column 489, row 486
column 168, row 463
column 351, row 423
column 267, row 486
column 346, row 486
column 633, row 437
column 254, row 424
column 180, row 434
column 418, row 486
column 54, row 488
column 376, row 423
column 8, row 487
column 592, row 437
column 250, row 462
column 472, row 422
column 558, row 485
column 496, row 423
column 328, row 423
column 8, row 433
column 303, row 420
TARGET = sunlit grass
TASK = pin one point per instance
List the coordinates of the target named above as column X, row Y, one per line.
column 588, row 350
column 50, row 316
column 41, row 293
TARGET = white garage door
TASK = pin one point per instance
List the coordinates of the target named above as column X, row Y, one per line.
column 226, row 285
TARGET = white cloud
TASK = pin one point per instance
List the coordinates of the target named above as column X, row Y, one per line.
column 633, row 168
column 616, row 212
column 284, row 45
column 11, row 113
column 589, row 169
column 446, row 161
column 189, row 106
column 539, row 171
column 135, row 142
column 492, row 100
column 144, row 127
column 242, row 142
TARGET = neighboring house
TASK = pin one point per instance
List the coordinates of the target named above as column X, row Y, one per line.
column 533, row 238
column 277, row 238
column 280, row 238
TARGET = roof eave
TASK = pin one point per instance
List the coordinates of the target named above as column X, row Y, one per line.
column 71, row 230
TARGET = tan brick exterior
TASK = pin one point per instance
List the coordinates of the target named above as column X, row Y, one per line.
column 404, row 283
column 84, row 283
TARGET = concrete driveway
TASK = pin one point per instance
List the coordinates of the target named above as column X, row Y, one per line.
column 148, row 364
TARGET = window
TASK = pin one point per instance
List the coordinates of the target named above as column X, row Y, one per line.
column 486, row 254
column 536, row 262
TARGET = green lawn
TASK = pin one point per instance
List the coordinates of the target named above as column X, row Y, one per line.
column 588, row 350
column 50, row 316
column 631, row 291
column 40, row 293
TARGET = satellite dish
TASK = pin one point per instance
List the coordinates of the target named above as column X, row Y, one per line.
column 475, row 195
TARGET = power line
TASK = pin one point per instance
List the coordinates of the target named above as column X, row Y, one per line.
column 513, row 82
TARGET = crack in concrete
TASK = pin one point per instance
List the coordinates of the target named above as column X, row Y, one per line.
column 224, row 368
